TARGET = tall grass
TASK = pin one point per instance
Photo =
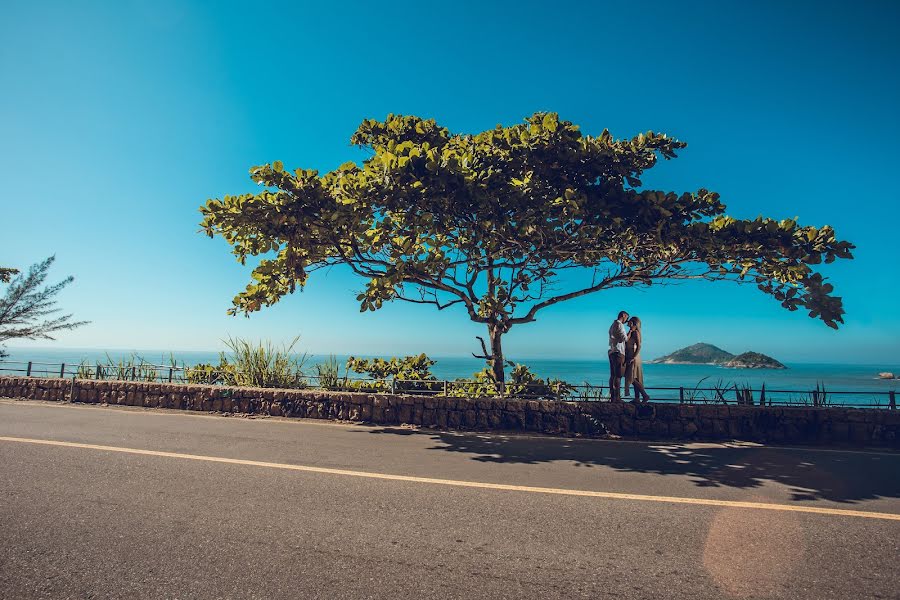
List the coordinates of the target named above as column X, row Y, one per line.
column 262, row 364
column 329, row 376
column 591, row 393
column 696, row 394
column 133, row 368
column 744, row 394
column 819, row 396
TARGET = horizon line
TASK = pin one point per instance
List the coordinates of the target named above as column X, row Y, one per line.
column 600, row 357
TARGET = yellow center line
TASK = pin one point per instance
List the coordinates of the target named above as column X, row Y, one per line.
column 468, row 484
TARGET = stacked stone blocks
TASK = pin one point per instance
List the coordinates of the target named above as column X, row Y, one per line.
column 784, row 425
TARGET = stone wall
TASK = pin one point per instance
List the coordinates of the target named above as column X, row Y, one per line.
column 864, row 427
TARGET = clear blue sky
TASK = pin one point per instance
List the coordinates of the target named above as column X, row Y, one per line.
column 118, row 119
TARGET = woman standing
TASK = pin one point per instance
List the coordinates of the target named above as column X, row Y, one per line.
column 634, row 370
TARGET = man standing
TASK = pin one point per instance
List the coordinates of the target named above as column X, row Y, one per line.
column 617, row 338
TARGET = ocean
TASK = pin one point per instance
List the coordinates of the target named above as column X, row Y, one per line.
column 798, row 378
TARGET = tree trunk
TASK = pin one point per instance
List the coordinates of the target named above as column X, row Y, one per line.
column 497, row 362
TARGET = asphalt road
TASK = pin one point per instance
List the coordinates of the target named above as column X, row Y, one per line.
column 140, row 503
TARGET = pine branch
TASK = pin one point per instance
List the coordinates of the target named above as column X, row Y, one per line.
column 25, row 305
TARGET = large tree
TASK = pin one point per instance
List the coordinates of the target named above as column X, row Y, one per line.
column 27, row 305
column 489, row 221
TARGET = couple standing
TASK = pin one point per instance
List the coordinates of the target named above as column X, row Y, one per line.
column 625, row 358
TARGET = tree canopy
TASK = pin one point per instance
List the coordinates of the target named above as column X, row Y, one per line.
column 26, row 307
column 489, row 221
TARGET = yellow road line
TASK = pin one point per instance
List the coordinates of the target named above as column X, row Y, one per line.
column 468, row 484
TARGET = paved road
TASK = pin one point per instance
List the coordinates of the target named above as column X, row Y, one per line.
column 132, row 503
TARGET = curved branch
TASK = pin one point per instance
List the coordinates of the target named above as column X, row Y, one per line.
column 529, row 317
column 487, row 355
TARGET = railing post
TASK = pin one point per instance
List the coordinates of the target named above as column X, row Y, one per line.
column 133, row 373
column 170, row 374
column 892, row 395
column 28, row 371
column 72, row 390
column 62, row 370
column 393, row 386
column 99, row 373
column 445, row 388
column 681, row 395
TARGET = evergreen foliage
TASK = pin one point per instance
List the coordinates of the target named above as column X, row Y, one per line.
column 27, row 306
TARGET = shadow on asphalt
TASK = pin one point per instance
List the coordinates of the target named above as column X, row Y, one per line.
column 810, row 474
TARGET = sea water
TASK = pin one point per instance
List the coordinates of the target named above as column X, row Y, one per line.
column 800, row 378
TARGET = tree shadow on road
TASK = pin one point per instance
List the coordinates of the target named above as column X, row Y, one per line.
column 811, row 474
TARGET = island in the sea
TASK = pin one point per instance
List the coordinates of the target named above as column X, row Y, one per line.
column 707, row 354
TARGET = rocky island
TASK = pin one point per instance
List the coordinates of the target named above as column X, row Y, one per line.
column 754, row 360
column 707, row 354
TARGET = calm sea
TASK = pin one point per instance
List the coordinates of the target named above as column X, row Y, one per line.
column 800, row 377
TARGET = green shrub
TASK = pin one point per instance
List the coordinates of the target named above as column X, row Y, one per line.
column 261, row 364
column 253, row 364
column 521, row 383
column 133, row 368
column 329, row 376
column 411, row 374
column 209, row 374
column 819, row 396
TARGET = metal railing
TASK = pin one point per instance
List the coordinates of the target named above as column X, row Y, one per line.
column 728, row 395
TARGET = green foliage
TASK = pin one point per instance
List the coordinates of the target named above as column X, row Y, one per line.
column 522, row 383
column 488, row 221
column 84, row 371
column 210, row 374
column 132, row 368
column 819, row 396
column 253, row 364
column 26, row 306
column 696, row 394
column 593, row 393
column 411, row 374
column 329, row 376
column 720, row 388
column 262, row 364
column 743, row 395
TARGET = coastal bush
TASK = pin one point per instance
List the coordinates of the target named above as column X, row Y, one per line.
column 210, row 374
column 132, row 368
column 83, row 371
column 819, row 396
column 262, row 364
column 253, row 364
column 591, row 393
column 329, row 376
column 744, row 395
column 696, row 394
column 522, row 383
column 411, row 374
column 720, row 388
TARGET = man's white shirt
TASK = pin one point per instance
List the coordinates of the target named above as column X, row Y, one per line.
column 617, row 337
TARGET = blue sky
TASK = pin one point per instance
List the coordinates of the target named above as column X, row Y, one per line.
column 118, row 120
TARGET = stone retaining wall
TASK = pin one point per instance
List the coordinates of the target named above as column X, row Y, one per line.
column 864, row 427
